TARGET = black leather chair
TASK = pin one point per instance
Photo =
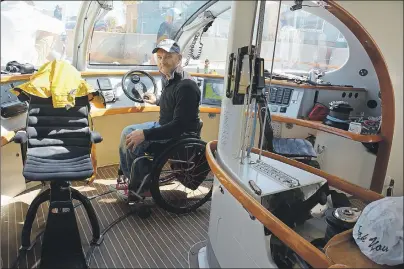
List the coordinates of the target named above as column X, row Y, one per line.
column 56, row 148
column 296, row 148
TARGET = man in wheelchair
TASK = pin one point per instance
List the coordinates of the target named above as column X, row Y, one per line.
column 179, row 114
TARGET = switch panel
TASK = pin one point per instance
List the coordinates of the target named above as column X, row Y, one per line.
column 290, row 102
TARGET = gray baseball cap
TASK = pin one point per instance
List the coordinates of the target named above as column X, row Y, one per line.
column 168, row 45
column 379, row 231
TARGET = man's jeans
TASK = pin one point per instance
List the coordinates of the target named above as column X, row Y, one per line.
column 127, row 156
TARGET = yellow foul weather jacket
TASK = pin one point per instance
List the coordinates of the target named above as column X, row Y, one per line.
column 61, row 81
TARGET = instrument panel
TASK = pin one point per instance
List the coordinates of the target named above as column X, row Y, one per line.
column 280, row 96
column 290, row 102
column 212, row 91
column 105, row 86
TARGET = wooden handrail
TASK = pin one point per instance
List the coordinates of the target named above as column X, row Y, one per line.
column 293, row 240
column 297, row 243
column 318, row 125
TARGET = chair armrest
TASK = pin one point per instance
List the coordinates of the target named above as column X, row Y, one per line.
column 20, row 137
column 95, row 137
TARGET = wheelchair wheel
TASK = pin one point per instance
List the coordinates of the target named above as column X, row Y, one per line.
column 181, row 180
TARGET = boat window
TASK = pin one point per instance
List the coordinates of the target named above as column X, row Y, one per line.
column 305, row 41
column 212, row 55
column 127, row 34
column 37, row 31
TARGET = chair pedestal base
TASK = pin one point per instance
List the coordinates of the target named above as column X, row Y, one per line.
column 61, row 247
column 45, row 196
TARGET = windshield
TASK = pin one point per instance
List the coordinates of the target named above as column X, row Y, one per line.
column 127, row 34
column 305, row 41
column 36, row 32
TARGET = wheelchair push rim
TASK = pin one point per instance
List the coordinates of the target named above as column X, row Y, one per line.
column 181, row 180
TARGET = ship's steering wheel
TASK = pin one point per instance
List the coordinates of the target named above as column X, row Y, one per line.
column 136, row 89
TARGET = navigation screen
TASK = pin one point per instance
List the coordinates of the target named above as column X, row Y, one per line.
column 213, row 91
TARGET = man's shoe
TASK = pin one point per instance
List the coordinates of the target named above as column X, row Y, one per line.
column 120, row 189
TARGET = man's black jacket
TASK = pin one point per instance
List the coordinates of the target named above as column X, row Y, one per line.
column 179, row 108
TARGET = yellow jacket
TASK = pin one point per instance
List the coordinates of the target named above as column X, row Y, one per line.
column 63, row 82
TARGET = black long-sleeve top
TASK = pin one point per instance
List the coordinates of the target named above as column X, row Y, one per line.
column 179, row 108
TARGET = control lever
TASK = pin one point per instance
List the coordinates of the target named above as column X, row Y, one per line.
column 257, row 190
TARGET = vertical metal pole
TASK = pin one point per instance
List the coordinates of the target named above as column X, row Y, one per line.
column 257, row 52
column 270, row 80
column 246, row 105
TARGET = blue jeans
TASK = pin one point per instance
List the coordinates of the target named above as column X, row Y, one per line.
column 127, row 156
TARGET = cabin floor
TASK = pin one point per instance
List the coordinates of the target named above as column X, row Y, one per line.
column 161, row 241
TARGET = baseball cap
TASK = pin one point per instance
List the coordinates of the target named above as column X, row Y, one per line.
column 168, row 45
column 379, row 231
column 173, row 12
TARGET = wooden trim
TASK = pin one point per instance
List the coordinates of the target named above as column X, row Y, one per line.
column 11, row 78
column 318, row 125
column 98, row 73
column 6, row 137
column 141, row 109
column 308, row 86
column 123, row 110
column 385, row 86
column 334, row 181
column 293, row 240
column 94, row 73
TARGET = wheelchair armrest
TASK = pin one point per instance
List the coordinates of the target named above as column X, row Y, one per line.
column 95, row 137
column 20, row 137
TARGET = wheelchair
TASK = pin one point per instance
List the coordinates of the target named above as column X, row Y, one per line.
column 176, row 172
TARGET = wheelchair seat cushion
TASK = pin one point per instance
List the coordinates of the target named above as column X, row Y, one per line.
column 54, row 163
column 292, row 147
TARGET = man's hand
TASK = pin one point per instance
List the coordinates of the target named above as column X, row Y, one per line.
column 134, row 138
column 150, row 98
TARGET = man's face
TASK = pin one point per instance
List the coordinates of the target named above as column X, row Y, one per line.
column 169, row 19
column 167, row 62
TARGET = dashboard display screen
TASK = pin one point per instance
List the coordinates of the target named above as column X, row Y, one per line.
column 212, row 92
